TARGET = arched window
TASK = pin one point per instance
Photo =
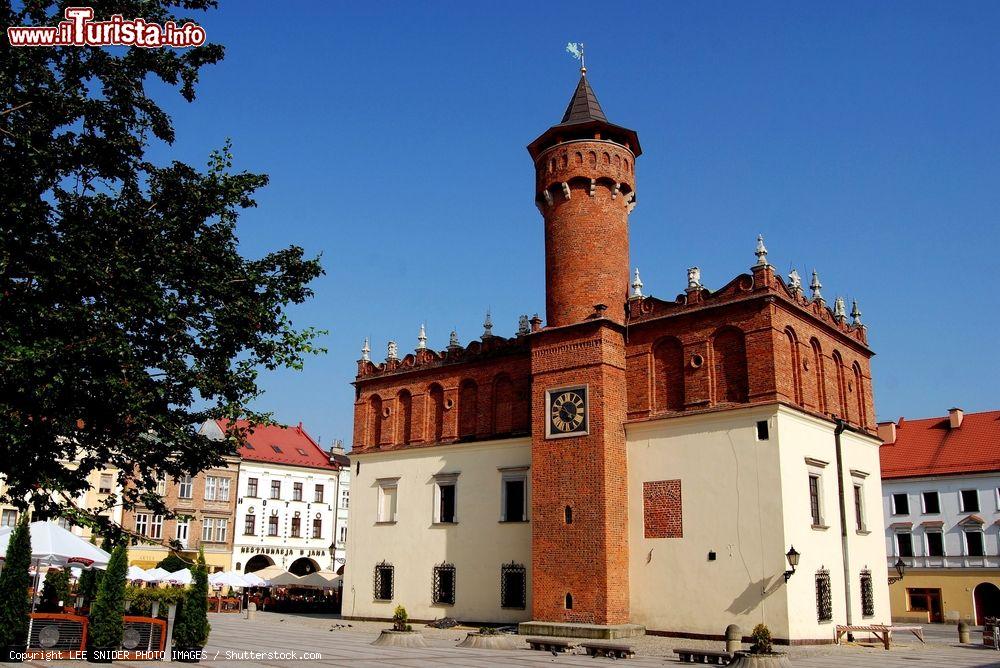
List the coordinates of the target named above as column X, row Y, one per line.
column 729, row 366
column 668, row 375
column 842, row 409
column 468, row 408
column 503, row 404
column 819, row 373
column 795, row 361
column 404, row 430
column 859, row 394
column 435, row 395
column 374, row 420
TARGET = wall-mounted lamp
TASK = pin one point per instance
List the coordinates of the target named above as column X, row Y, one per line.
column 901, row 569
column 793, row 561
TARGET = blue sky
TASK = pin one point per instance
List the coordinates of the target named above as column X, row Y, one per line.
column 861, row 139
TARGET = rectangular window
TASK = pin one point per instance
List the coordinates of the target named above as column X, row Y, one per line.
column 446, row 512
column 859, row 507
column 904, row 544
column 935, row 544
column 931, row 502
column 513, row 586
column 185, row 487
column 970, row 500
column 387, row 489
column 161, row 484
column 824, row 598
column 9, row 518
column 317, row 527
column 867, row 594
column 106, row 482
column 444, row 584
column 297, row 491
column 383, row 582
column 345, row 499
column 514, row 501
column 249, row 525
column 763, row 433
column 252, row 487
column 343, row 534
column 210, row 484
column 221, row 530
column 318, row 494
column 900, row 504
column 207, row 529
column 181, row 533
column 814, row 507
column 974, row 544
column 296, row 527
column 156, row 527
column 141, row 523
column 272, row 525
column 275, row 489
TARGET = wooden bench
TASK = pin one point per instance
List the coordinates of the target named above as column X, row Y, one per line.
column 550, row 644
column 685, row 655
column 881, row 631
column 613, row 650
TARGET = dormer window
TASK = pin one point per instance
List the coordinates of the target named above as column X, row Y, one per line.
column 276, row 448
column 301, row 451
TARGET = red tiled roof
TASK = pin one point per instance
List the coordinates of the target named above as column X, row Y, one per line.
column 931, row 447
column 296, row 446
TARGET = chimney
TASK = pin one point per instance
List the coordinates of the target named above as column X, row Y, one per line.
column 955, row 417
column 887, row 432
column 337, row 448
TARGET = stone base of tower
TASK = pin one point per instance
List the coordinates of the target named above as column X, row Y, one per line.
column 589, row 631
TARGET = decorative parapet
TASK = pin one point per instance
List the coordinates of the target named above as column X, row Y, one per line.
column 427, row 358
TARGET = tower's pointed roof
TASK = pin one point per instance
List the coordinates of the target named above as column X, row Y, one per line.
column 583, row 106
column 584, row 119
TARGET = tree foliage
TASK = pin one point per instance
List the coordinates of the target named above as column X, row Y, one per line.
column 107, row 623
column 191, row 627
column 172, row 563
column 15, row 604
column 55, row 593
column 128, row 315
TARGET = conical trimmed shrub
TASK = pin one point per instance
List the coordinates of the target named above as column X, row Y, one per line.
column 107, row 624
column 15, row 604
column 192, row 628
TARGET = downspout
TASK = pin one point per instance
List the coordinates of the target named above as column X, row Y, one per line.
column 841, row 427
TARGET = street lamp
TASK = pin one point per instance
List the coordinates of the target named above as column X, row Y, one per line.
column 901, row 569
column 793, row 561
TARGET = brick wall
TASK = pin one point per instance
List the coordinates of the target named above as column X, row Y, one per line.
column 661, row 509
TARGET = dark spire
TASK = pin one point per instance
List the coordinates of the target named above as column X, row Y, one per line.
column 583, row 106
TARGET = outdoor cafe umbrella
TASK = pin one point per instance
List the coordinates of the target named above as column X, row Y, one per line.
column 156, row 575
column 135, row 574
column 54, row 546
column 228, row 579
column 253, row 580
column 181, row 577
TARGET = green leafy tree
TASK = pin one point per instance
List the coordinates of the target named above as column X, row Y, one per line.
column 191, row 627
column 55, row 593
column 15, row 604
column 128, row 315
column 107, row 624
column 173, row 563
column 86, row 586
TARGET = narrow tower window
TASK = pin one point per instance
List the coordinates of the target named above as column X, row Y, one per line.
column 569, row 515
column 569, row 601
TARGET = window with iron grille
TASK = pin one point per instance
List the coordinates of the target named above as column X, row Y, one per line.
column 824, row 599
column 867, row 594
column 444, row 584
column 383, row 581
column 513, row 586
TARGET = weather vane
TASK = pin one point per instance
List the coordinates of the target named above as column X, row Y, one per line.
column 575, row 49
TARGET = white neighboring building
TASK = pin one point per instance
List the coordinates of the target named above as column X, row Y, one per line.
column 338, row 457
column 286, row 501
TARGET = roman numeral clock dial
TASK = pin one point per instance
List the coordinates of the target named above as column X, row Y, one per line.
column 567, row 412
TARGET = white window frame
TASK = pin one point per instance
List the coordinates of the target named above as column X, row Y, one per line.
column 298, row 491
column 210, row 483
column 142, row 523
column 156, row 526
column 345, row 499
column 106, row 484
column 892, row 502
column 512, row 474
column 188, row 482
column 342, row 535
column 923, row 503
column 8, row 512
column 863, row 510
column 445, row 479
column 961, row 501
column 387, row 515
column 221, row 529
column 321, row 497
column 277, row 525
column 965, row 542
column 273, row 496
column 895, row 544
column 927, row 544
column 161, row 484
column 185, row 524
column 207, row 529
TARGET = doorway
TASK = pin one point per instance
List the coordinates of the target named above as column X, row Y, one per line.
column 925, row 600
column 986, row 598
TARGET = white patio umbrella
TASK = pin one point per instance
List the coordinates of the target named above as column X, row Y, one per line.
column 253, row 580
column 285, row 579
column 156, row 575
column 135, row 574
column 52, row 545
column 228, row 579
column 181, row 577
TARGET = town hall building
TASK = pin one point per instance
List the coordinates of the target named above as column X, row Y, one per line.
column 629, row 463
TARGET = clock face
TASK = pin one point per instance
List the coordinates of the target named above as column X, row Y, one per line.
column 567, row 412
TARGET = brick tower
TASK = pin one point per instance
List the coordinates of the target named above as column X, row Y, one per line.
column 585, row 190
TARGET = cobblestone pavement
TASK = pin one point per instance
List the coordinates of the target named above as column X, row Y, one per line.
column 275, row 640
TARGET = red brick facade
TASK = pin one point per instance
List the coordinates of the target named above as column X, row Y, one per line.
column 662, row 515
column 754, row 341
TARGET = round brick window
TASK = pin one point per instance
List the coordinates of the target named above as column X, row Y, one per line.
column 697, row 361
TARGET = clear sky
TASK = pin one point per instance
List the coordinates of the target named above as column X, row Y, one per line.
column 862, row 139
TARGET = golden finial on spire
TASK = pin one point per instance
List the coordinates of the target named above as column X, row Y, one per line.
column 575, row 49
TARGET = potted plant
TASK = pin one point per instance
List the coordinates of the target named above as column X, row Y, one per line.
column 401, row 634
column 761, row 654
column 15, row 604
column 488, row 637
column 107, row 623
column 192, row 628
